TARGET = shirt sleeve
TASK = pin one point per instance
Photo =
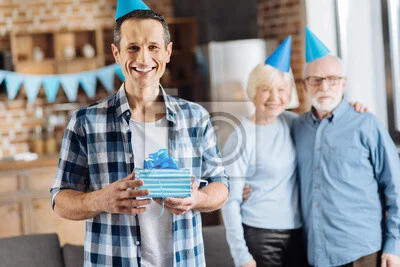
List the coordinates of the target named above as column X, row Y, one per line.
column 386, row 164
column 212, row 167
column 231, row 211
column 72, row 170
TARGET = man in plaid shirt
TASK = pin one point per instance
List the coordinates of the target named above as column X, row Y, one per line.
column 103, row 144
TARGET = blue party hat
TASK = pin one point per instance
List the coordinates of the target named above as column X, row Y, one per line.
column 314, row 47
column 126, row 6
column 280, row 58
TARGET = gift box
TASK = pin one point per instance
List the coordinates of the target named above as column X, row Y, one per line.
column 164, row 183
column 162, row 176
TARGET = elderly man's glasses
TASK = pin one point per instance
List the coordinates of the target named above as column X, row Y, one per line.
column 317, row 81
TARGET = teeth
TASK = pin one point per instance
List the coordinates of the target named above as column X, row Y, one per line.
column 143, row 70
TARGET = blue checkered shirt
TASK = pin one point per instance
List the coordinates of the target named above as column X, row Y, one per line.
column 97, row 151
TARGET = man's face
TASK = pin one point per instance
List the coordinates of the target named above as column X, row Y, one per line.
column 325, row 83
column 143, row 54
column 271, row 99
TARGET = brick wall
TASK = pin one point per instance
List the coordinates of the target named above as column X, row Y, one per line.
column 18, row 118
column 278, row 19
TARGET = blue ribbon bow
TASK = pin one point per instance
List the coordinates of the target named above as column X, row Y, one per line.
column 160, row 160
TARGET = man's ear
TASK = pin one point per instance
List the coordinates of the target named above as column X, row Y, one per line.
column 304, row 85
column 169, row 51
column 115, row 52
column 344, row 83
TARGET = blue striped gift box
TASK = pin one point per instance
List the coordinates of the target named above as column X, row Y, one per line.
column 164, row 183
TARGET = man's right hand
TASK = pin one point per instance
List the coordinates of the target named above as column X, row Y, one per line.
column 251, row 263
column 120, row 196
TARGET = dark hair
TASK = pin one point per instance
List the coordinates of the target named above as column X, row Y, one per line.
column 141, row 14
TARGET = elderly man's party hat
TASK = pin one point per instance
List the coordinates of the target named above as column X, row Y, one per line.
column 314, row 47
column 126, row 6
column 280, row 58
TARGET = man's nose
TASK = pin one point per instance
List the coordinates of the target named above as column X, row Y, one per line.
column 324, row 85
column 143, row 55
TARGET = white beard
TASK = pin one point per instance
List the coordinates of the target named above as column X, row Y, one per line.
column 325, row 106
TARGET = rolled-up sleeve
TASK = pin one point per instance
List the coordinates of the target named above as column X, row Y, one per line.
column 212, row 166
column 72, row 170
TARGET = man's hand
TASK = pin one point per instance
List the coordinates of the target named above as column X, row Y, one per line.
column 119, row 197
column 251, row 263
column 180, row 206
column 390, row 260
column 359, row 107
column 246, row 192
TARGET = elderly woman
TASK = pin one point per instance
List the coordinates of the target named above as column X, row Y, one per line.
column 266, row 229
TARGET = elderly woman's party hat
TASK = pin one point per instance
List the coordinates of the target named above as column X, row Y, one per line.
column 280, row 58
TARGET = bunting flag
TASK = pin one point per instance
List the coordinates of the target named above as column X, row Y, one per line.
column 32, row 85
column 106, row 77
column 13, row 84
column 88, row 82
column 119, row 72
column 51, row 85
column 2, row 76
column 69, row 83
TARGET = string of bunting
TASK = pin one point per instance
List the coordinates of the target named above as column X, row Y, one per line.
column 51, row 83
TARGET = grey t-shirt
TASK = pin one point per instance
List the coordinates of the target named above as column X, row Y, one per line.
column 156, row 233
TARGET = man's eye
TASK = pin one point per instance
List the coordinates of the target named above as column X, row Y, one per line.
column 152, row 47
column 133, row 48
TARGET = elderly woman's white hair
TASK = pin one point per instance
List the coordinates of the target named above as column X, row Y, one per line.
column 266, row 74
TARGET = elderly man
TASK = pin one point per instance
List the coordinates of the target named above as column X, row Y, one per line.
column 349, row 173
column 106, row 141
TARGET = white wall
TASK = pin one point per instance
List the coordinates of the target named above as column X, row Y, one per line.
column 362, row 47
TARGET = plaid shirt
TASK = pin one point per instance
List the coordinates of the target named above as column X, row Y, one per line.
column 97, row 151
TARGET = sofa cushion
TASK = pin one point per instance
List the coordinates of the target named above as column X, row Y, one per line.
column 216, row 247
column 31, row 250
column 72, row 255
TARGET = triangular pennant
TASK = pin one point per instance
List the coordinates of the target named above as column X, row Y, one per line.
column 13, row 84
column 126, row 6
column 2, row 75
column 51, row 85
column 118, row 71
column 314, row 47
column 280, row 58
column 106, row 77
column 88, row 82
column 32, row 85
column 70, row 83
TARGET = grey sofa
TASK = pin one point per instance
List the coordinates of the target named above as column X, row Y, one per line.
column 44, row 250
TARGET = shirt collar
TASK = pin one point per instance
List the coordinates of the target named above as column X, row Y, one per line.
column 122, row 104
column 336, row 114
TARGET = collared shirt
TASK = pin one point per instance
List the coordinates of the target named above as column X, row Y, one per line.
column 347, row 165
column 97, row 151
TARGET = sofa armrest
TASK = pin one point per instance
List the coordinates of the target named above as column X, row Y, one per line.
column 216, row 247
column 72, row 255
column 31, row 250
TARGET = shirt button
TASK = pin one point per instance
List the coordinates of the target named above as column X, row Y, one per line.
column 317, row 205
column 317, row 168
column 319, row 149
column 316, row 187
column 130, row 155
column 137, row 243
column 127, row 129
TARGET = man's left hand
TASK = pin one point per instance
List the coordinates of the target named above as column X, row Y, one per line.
column 390, row 260
column 180, row 206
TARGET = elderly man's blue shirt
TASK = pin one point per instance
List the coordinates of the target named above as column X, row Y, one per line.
column 347, row 165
